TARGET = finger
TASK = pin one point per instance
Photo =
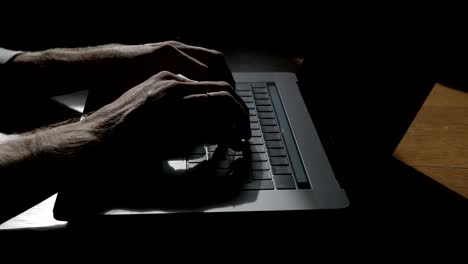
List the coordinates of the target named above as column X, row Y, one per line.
column 182, row 77
column 214, row 60
column 169, row 76
column 200, row 53
column 179, row 62
column 207, row 87
column 189, row 88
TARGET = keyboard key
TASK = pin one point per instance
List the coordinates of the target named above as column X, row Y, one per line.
column 250, row 105
column 262, row 102
column 253, row 119
column 260, row 175
column 259, row 185
column 270, row 129
column 256, row 141
column 244, row 93
column 259, row 90
column 258, row 157
column 281, row 169
column 274, row 144
column 277, row 152
column 256, row 133
column 252, row 112
column 257, row 148
column 259, row 166
column 247, row 99
column 283, row 182
column 242, row 87
column 268, row 122
column 254, row 126
column 261, row 96
column 272, row 136
column 258, row 85
column 264, row 108
column 279, row 161
column 266, row 115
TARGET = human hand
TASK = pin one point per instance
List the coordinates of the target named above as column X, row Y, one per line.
column 115, row 68
column 167, row 113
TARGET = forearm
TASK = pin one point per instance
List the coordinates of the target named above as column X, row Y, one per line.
column 63, row 70
column 51, row 144
column 47, row 73
column 35, row 165
column 58, row 56
column 65, row 141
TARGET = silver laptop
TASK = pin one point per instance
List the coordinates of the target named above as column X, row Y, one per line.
column 283, row 168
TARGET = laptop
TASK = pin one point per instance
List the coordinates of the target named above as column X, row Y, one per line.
column 284, row 166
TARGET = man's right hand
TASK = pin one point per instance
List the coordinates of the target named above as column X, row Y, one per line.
column 167, row 112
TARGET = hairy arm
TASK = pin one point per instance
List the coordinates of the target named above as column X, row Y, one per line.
column 56, row 143
column 34, row 165
column 60, row 71
column 111, row 68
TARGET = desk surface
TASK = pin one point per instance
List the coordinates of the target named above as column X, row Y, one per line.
column 436, row 143
column 38, row 216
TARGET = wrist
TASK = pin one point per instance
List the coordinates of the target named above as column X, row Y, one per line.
column 63, row 142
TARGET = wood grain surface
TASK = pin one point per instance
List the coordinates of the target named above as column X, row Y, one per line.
column 436, row 143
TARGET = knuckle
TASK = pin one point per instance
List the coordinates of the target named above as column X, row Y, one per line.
column 166, row 74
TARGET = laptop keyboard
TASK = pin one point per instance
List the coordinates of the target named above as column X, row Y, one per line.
column 267, row 165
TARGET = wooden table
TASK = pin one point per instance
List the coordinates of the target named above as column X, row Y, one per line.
column 436, row 143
